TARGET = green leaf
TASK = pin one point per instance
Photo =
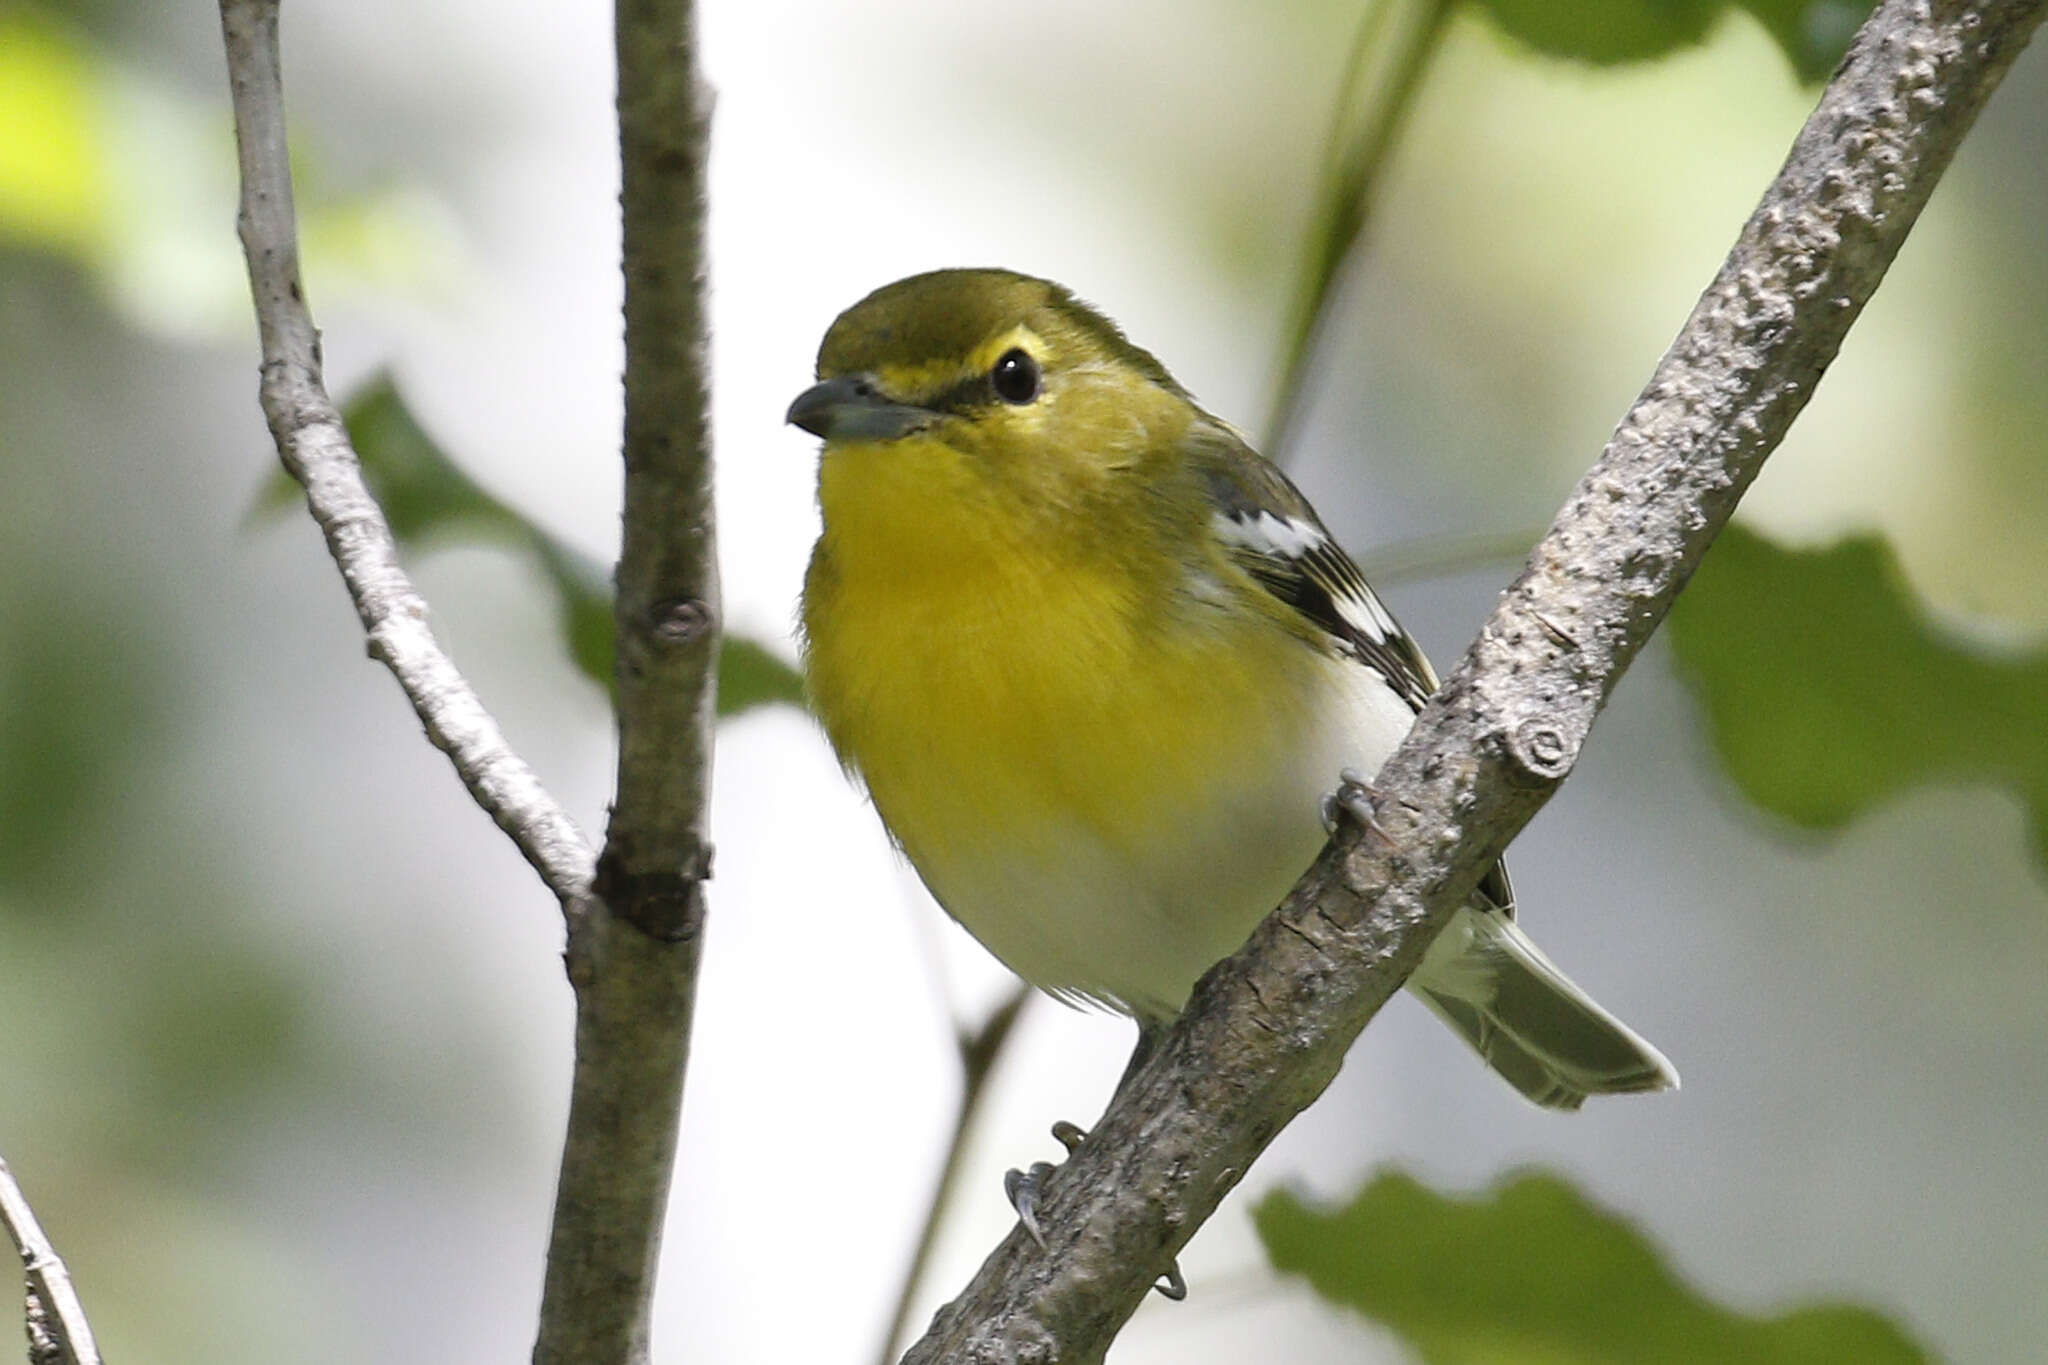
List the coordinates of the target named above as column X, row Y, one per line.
column 429, row 500
column 423, row 492
column 1604, row 32
column 1813, row 33
column 583, row 592
column 749, row 675
column 1828, row 690
column 1533, row 1274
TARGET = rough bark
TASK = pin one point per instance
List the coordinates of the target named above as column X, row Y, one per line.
column 633, row 960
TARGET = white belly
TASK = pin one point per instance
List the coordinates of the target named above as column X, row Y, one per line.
column 1133, row 926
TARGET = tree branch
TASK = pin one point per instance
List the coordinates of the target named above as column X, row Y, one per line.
column 634, row 968
column 1268, row 1027
column 315, row 448
column 634, row 959
column 58, row 1333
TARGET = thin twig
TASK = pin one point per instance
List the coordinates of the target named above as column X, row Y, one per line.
column 1442, row 556
column 1267, row 1028
column 58, row 1333
column 635, row 970
column 979, row 1052
column 634, row 960
column 314, row 446
column 1353, row 167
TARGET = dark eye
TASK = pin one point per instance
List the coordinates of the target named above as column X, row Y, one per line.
column 1015, row 377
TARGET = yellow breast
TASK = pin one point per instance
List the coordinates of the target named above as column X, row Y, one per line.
column 1014, row 699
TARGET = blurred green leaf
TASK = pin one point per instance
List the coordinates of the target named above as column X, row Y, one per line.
column 122, row 173
column 1828, row 690
column 1533, row 1274
column 1813, row 33
column 429, row 500
column 423, row 492
column 1604, row 31
column 209, row 1028
column 81, row 706
column 53, row 190
column 584, row 593
column 750, row 675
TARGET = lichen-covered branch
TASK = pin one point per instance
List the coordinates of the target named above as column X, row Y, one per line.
column 634, row 959
column 1268, row 1027
column 315, row 448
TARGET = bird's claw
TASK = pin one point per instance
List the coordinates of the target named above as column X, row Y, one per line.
column 1357, row 797
column 1023, row 1187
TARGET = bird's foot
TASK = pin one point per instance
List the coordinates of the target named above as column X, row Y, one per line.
column 1023, row 1188
column 1357, row 797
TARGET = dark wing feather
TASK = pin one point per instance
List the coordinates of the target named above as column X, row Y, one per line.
column 1273, row 533
column 1276, row 537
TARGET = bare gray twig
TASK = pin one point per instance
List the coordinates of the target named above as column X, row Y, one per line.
column 633, row 967
column 315, row 448
column 58, row 1333
column 1269, row 1026
column 634, row 959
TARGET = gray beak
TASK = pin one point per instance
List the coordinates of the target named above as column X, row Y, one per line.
column 851, row 408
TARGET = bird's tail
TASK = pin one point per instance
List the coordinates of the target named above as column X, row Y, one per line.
column 1535, row 1027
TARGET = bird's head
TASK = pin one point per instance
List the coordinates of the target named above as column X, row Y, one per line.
column 987, row 380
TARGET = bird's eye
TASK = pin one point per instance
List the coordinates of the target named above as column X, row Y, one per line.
column 1015, row 377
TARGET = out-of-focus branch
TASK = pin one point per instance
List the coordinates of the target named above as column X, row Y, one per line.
column 1268, row 1027
column 315, row 448
column 634, row 960
column 979, row 1050
column 1373, row 103
column 58, row 1333
column 1441, row 556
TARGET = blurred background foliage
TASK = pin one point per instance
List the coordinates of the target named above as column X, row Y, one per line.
column 1539, row 1275
column 1814, row 668
column 284, row 1038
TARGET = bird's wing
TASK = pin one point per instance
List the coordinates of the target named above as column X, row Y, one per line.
column 1272, row 533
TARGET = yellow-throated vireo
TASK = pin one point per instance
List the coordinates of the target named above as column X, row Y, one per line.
column 1098, row 664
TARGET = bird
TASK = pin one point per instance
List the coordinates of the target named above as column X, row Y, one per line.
column 1098, row 663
